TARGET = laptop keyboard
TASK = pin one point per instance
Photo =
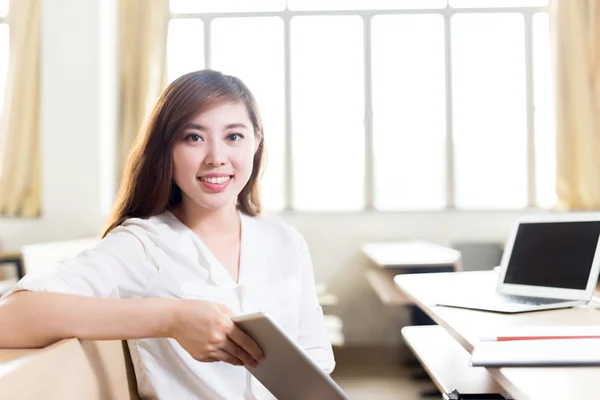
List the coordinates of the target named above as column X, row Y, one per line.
column 533, row 301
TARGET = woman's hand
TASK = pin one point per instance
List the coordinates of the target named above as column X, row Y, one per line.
column 205, row 330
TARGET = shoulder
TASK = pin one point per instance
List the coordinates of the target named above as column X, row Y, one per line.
column 274, row 230
column 146, row 231
column 141, row 238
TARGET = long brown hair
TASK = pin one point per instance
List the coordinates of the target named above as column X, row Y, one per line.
column 148, row 187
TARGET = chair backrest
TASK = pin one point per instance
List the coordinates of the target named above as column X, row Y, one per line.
column 69, row 369
column 40, row 255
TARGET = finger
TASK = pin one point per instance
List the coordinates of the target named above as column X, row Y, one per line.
column 222, row 355
column 245, row 342
column 232, row 348
column 226, row 310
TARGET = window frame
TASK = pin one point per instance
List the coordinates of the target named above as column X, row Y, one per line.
column 447, row 13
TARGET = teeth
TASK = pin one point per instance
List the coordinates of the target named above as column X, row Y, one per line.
column 218, row 180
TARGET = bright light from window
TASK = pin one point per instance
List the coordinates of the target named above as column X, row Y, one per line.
column 545, row 135
column 409, row 112
column 252, row 50
column 327, row 113
column 490, row 129
column 408, row 72
column 4, row 8
column 185, row 47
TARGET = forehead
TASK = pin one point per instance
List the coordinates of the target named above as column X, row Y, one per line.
column 224, row 114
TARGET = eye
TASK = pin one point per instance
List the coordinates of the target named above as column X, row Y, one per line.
column 235, row 137
column 192, row 137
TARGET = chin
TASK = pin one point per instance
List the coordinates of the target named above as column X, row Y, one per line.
column 216, row 205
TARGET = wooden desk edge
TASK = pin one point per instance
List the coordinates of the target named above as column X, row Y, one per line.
column 460, row 376
column 427, row 309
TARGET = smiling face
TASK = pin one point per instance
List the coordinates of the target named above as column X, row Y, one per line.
column 213, row 157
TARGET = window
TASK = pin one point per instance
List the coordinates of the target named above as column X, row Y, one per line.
column 392, row 105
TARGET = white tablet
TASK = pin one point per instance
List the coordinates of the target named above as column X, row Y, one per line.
column 287, row 370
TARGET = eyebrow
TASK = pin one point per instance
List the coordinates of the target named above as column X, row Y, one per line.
column 193, row 125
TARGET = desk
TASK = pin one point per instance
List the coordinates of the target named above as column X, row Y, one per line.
column 411, row 254
column 406, row 257
column 466, row 326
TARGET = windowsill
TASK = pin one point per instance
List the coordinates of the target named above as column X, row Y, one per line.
column 15, row 218
column 447, row 211
column 367, row 212
column 363, row 213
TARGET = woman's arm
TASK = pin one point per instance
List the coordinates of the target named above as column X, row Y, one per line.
column 102, row 294
column 34, row 319
column 204, row 329
column 81, row 295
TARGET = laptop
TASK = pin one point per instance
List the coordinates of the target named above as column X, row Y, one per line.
column 549, row 262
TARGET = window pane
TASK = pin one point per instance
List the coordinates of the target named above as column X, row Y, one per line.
column 363, row 5
column 3, row 63
column 196, row 6
column 252, row 49
column 185, row 47
column 490, row 137
column 409, row 112
column 327, row 112
column 545, row 146
column 497, row 3
column 3, row 8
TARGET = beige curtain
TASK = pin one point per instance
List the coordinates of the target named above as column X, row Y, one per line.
column 143, row 28
column 19, row 137
column 576, row 47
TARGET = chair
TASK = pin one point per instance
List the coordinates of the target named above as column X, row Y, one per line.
column 40, row 255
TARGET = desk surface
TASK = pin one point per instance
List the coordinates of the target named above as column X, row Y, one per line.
column 446, row 362
column 467, row 326
column 410, row 253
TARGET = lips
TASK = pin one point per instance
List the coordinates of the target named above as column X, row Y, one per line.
column 215, row 183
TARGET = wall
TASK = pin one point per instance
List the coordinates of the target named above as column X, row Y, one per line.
column 77, row 120
column 77, row 132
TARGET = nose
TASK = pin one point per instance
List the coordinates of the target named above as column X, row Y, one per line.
column 215, row 155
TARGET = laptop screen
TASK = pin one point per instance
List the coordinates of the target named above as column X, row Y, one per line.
column 553, row 254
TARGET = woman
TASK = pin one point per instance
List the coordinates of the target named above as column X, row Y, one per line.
column 185, row 249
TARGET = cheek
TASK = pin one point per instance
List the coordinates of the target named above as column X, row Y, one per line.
column 184, row 162
column 243, row 162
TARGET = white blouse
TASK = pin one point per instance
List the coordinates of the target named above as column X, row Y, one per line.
column 161, row 257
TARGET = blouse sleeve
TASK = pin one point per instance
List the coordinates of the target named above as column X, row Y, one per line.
column 118, row 267
column 312, row 336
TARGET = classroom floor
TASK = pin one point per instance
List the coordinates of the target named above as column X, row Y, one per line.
column 378, row 374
